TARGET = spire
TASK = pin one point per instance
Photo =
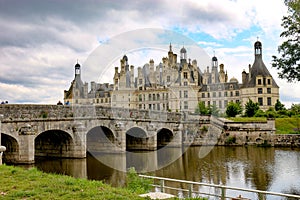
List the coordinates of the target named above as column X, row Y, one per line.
column 170, row 47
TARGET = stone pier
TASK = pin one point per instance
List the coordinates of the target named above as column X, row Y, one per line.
column 2, row 148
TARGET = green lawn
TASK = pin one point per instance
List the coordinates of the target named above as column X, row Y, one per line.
column 287, row 125
column 18, row 183
column 248, row 119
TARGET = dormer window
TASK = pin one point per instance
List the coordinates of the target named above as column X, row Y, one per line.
column 259, row 81
column 269, row 81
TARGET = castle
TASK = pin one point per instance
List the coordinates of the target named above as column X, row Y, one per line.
column 174, row 85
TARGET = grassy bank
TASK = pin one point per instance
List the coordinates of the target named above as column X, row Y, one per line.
column 286, row 125
column 18, row 183
column 289, row 125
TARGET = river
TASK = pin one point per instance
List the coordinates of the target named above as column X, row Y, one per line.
column 271, row 169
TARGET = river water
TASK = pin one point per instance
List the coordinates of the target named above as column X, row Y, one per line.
column 270, row 169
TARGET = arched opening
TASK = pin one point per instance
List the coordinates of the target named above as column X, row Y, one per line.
column 11, row 155
column 136, row 139
column 164, row 137
column 53, row 143
column 101, row 139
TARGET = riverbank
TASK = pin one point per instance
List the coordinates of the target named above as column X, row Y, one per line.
column 19, row 183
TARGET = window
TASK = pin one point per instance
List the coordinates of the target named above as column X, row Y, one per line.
column 203, row 95
column 168, row 79
column 220, row 94
column 214, row 94
column 179, row 94
column 149, row 98
column 225, row 94
column 259, row 81
column 185, row 83
column 214, row 103
column 259, row 91
column 208, row 94
column 140, row 97
column 208, row 103
column 185, row 75
column 186, row 105
column 153, row 97
column 231, row 86
column 237, row 93
column 269, row 81
column 167, row 96
column 269, row 90
column 220, row 104
column 260, row 101
column 236, row 101
column 185, row 93
column 269, row 101
column 231, row 94
column 140, row 81
column 157, row 97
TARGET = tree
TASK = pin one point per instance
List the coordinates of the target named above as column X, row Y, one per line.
column 202, row 109
column 233, row 109
column 251, row 108
column 279, row 106
column 213, row 110
column 289, row 61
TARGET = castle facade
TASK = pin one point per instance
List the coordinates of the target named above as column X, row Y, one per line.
column 177, row 85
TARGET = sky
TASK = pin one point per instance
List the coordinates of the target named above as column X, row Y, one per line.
column 41, row 41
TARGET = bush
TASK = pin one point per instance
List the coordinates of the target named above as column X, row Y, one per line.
column 137, row 184
column 260, row 113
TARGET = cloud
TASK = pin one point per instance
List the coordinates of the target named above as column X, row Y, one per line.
column 40, row 41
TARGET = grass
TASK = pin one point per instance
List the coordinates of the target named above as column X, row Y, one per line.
column 287, row 125
column 18, row 183
column 248, row 119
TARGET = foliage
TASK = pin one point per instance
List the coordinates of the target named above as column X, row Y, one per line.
column 289, row 61
column 213, row 110
column 251, row 108
column 137, row 184
column 234, row 109
column 201, row 108
column 271, row 113
column 260, row 113
column 295, row 109
column 279, row 106
column 230, row 140
column 18, row 183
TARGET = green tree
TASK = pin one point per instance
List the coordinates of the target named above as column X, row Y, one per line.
column 233, row 109
column 279, row 106
column 251, row 108
column 295, row 109
column 202, row 109
column 288, row 63
column 213, row 110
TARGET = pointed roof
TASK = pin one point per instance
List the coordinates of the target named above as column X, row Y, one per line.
column 258, row 68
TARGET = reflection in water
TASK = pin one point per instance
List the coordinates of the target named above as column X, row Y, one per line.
column 269, row 169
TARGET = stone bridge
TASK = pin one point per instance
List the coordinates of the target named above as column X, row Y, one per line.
column 70, row 131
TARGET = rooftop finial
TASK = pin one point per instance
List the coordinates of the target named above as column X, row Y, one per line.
column 257, row 38
column 170, row 47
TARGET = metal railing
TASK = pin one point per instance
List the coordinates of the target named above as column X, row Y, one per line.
column 219, row 191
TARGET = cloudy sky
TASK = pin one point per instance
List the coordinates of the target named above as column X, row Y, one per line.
column 41, row 41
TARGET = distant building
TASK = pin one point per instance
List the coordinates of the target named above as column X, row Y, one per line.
column 177, row 85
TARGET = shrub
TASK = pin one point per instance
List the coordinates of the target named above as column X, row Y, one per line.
column 137, row 184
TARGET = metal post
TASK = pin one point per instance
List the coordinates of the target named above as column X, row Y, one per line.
column 190, row 190
column 223, row 193
column 261, row 196
column 162, row 185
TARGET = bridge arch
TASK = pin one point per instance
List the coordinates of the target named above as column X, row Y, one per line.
column 137, row 139
column 101, row 139
column 54, row 143
column 12, row 148
column 164, row 137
